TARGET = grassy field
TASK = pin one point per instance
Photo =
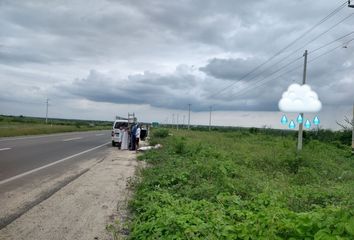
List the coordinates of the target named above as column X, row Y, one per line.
column 243, row 185
column 19, row 126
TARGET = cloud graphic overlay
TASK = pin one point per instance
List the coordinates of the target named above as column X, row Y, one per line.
column 299, row 98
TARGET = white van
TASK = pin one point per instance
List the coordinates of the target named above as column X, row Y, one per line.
column 115, row 130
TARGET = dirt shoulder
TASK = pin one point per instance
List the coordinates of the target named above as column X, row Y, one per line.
column 83, row 208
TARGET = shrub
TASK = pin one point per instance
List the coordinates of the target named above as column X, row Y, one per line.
column 231, row 185
column 179, row 145
column 160, row 133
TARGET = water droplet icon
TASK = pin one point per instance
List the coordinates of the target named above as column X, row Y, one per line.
column 284, row 120
column 292, row 124
column 299, row 119
column 316, row 121
column 307, row 124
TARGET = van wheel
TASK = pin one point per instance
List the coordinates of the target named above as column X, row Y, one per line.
column 113, row 143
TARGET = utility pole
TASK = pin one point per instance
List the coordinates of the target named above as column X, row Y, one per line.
column 131, row 118
column 46, row 113
column 210, row 108
column 353, row 132
column 189, row 115
column 177, row 120
column 184, row 116
column 173, row 120
column 301, row 125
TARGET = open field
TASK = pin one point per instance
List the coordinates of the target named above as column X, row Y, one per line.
column 18, row 126
column 243, row 185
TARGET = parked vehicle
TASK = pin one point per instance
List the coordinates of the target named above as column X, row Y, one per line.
column 115, row 130
column 143, row 132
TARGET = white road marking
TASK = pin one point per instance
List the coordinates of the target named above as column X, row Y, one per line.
column 31, row 137
column 39, row 136
column 101, row 134
column 4, row 149
column 49, row 165
column 71, row 139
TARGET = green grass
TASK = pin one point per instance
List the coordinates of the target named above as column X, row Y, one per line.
column 19, row 126
column 242, row 185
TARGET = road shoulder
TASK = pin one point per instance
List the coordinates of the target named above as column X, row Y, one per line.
column 83, row 208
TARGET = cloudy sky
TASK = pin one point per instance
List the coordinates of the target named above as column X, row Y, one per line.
column 97, row 59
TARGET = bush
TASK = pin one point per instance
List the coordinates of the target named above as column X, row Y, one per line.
column 160, row 133
column 232, row 185
column 179, row 145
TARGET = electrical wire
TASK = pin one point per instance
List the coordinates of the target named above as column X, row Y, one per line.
column 315, row 50
column 331, row 14
column 303, row 46
column 329, row 29
column 297, row 59
column 336, row 40
column 266, row 80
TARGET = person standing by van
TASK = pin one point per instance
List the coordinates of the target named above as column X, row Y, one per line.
column 125, row 139
column 120, row 137
column 133, row 138
column 137, row 136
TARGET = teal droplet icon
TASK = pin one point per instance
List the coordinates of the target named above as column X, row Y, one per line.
column 284, row 120
column 316, row 121
column 292, row 125
column 299, row 119
column 307, row 124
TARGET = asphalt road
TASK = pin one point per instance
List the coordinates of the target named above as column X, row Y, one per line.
column 23, row 156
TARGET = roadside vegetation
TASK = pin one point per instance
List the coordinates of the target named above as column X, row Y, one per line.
column 19, row 125
column 245, row 184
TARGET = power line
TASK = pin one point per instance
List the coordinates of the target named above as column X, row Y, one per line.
column 335, row 40
column 264, row 81
column 297, row 59
column 325, row 53
column 326, row 31
column 331, row 14
column 303, row 46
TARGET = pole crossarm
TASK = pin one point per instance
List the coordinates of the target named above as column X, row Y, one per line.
column 350, row 5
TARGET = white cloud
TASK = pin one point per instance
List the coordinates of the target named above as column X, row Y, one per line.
column 299, row 98
column 45, row 45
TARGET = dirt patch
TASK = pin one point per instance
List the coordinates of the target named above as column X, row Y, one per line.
column 83, row 208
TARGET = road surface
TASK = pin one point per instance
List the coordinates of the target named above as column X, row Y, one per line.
column 21, row 155
column 33, row 168
column 64, row 186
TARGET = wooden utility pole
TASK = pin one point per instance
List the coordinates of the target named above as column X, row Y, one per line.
column 353, row 132
column 301, row 125
column 177, row 120
column 46, row 113
column 189, row 115
column 210, row 108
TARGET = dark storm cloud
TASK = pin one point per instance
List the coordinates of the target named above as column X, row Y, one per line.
column 224, row 39
column 173, row 91
column 232, row 69
column 65, row 31
column 16, row 57
column 167, row 91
